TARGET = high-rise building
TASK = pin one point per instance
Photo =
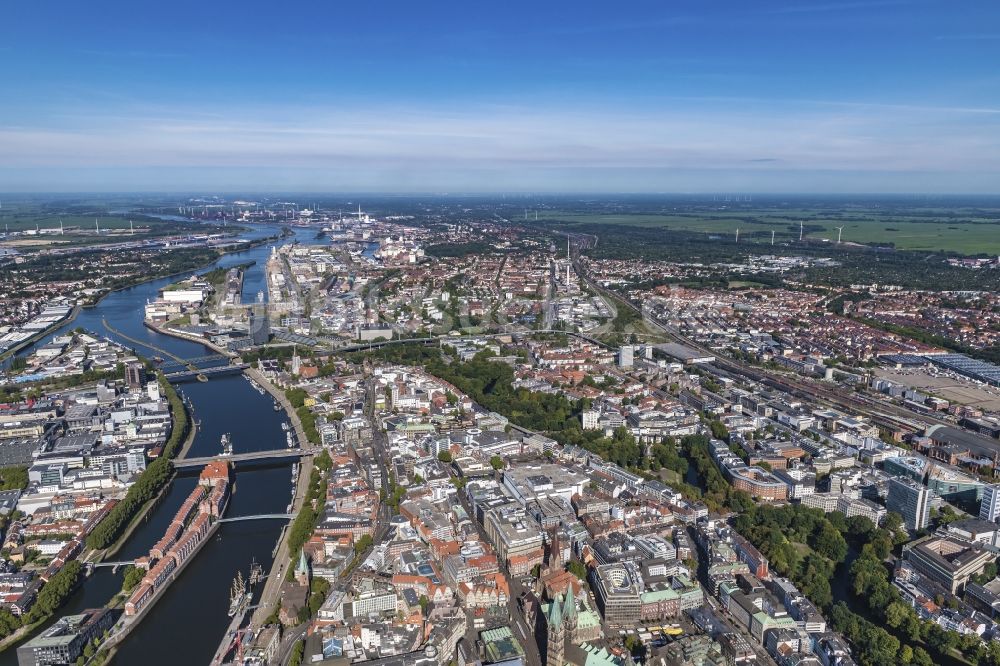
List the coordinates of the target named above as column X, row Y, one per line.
column 135, row 376
column 626, row 356
column 588, row 418
column 990, row 508
column 911, row 500
column 260, row 328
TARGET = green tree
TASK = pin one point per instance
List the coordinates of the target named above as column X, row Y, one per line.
column 719, row 431
column 445, row 456
column 9, row 623
column 133, row 576
column 362, row 544
column 497, row 463
column 56, row 591
column 298, row 652
column 830, row 543
column 578, row 569
column 322, row 461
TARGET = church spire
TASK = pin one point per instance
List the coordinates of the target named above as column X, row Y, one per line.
column 555, row 649
column 569, row 604
column 555, row 554
column 555, row 614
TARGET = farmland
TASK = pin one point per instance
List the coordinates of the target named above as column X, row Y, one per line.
column 28, row 224
column 962, row 231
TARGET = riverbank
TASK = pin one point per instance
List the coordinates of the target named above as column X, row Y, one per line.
column 95, row 556
column 233, row 249
column 271, row 594
column 232, row 406
column 174, row 333
column 127, row 623
column 281, row 561
column 182, row 420
column 134, row 524
column 153, row 502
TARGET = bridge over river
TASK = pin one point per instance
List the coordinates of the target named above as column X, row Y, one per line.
column 271, row 454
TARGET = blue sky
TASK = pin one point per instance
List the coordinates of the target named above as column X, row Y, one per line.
column 667, row 96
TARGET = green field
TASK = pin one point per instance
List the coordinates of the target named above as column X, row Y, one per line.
column 927, row 229
column 50, row 222
column 75, row 214
column 80, row 221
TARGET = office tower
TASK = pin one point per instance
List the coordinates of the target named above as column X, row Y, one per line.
column 625, row 356
column 911, row 500
column 990, row 508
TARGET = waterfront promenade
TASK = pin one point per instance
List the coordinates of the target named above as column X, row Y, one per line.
column 279, row 567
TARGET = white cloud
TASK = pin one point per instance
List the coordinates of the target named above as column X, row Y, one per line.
column 743, row 136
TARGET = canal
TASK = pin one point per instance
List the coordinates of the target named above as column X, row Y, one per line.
column 188, row 621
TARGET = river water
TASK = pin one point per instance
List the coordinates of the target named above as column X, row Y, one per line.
column 187, row 623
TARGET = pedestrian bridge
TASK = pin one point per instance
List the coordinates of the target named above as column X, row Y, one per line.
column 272, row 454
column 115, row 565
column 188, row 375
column 259, row 516
column 182, row 363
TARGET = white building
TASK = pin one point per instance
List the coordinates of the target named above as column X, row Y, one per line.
column 990, row 508
column 910, row 500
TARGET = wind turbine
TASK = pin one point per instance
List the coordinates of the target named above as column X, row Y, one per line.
column 737, row 234
column 772, row 236
column 800, row 231
column 840, row 230
column 131, row 228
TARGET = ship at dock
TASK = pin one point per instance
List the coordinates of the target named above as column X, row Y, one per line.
column 227, row 444
column 240, row 594
column 256, row 572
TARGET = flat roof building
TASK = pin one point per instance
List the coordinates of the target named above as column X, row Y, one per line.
column 63, row 642
column 947, row 560
column 618, row 590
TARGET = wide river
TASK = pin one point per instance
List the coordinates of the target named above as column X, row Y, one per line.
column 187, row 623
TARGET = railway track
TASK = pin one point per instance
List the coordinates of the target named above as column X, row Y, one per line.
column 882, row 413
